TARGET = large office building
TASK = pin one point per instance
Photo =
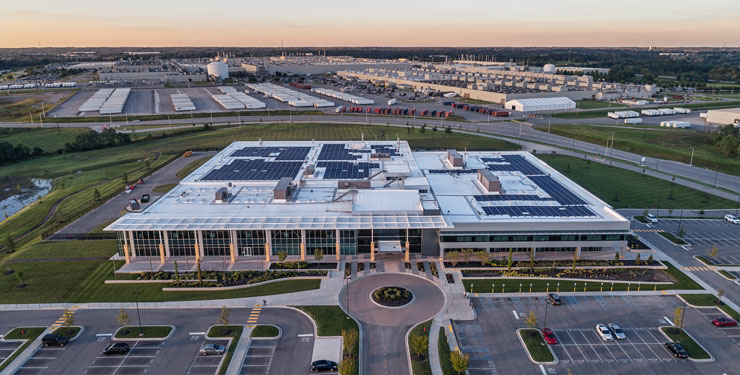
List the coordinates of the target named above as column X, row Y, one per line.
column 254, row 200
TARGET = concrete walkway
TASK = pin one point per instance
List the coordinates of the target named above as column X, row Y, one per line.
column 240, row 352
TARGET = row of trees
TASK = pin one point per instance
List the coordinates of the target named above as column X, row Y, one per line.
column 93, row 140
column 727, row 140
column 10, row 153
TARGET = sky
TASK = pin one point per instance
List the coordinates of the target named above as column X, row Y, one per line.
column 402, row 23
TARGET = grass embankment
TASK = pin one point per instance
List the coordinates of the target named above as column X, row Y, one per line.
column 22, row 333
column 193, row 165
column 163, row 188
column 663, row 143
column 236, row 332
column 602, row 113
column 710, row 300
column 689, row 345
column 146, row 332
column 420, row 365
column 49, row 140
column 536, row 346
column 14, row 108
column 672, row 237
column 444, row 353
column 264, row 331
column 539, row 285
column 623, row 188
column 592, row 104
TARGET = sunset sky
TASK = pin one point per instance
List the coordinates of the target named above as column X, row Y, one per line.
column 83, row 23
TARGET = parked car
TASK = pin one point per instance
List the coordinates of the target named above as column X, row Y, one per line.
column 733, row 219
column 554, row 299
column 549, row 336
column 323, row 365
column 617, row 331
column 52, row 339
column 116, row 348
column 724, row 322
column 651, row 218
column 676, row 350
column 208, row 349
column 604, row 332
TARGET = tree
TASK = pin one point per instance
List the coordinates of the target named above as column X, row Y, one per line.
column 9, row 244
column 223, row 317
column 453, row 257
column 713, row 251
column 282, row 255
column 720, row 294
column 177, row 273
column 510, row 261
column 96, row 194
column 350, row 338
column 448, row 130
column 68, row 318
column 678, row 317
column 125, row 177
column 650, row 259
column 147, row 164
column 616, row 257
column 460, row 362
column 347, row 367
column 20, row 277
column 419, row 345
column 318, row 254
column 531, row 319
column 531, row 260
column 122, row 317
column 575, row 259
column 637, row 260
column 484, row 257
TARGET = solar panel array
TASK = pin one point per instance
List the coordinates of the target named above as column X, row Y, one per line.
column 346, row 170
column 509, row 197
column 254, row 170
column 448, row 171
column 334, row 151
column 516, row 163
column 557, row 191
column 384, row 149
column 280, row 153
column 538, row 211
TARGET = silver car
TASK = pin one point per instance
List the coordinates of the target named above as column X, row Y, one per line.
column 617, row 331
column 208, row 349
column 604, row 332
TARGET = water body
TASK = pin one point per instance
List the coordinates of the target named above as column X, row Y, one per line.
column 29, row 194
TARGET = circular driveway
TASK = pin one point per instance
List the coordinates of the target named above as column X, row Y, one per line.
column 384, row 329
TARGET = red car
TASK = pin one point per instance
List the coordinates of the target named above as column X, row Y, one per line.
column 724, row 322
column 549, row 336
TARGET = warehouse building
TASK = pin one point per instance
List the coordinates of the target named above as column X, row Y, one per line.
column 729, row 116
column 254, row 200
column 540, row 104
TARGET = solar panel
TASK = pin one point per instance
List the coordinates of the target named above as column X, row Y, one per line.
column 254, row 170
column 513, row 163
column 444, row 171
column 539, row 211
column 334, row 151
column 557, row 191
column 384, row 149
column 280, row 153
column 346, row 170
column 509, row 197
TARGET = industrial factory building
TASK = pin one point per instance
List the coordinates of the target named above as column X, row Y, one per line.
column 540, row 104
column 729, row 116
column 255, row 200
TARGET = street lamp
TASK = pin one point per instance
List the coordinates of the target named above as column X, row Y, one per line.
column 138, row 314
column 346, row 292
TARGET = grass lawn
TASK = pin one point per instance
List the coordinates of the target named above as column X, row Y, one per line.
column 602, row 113
column 591, row 104
column 265, row 331
column 536, row 345
column 511, row 285
column 723, row 85
column 151, row 332
column 727, row 275
column 622, row 188
column 163, row 188
column 31, row 333
column 66, row 249
column 689, row 345
column 49, row 140
column 671, row 237
column 709, row 300
column 193, row 165
column 420, row 367
column 68, row 332
column 663, row 143
column 469, row 100
column 330, row 320
column 236, row 332
column 444, row 353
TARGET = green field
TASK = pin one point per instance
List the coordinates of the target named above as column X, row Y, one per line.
column 631, row 189
column 591, row 104
column 602, row 113
column 49, row 140
column 444, row 353
column 669, row 144
column 330, row 320
column 723, row 85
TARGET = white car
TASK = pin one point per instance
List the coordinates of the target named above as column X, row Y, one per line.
column 604, row 332
column 651, row 219
column 732, row 219
column 617, row 331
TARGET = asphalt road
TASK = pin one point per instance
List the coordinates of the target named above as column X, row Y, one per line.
column 383, row 348
column 290, row 354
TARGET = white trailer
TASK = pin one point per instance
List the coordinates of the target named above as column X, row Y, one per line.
column 392, row 102
column 633, row 120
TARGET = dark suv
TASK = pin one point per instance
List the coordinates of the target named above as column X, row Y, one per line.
column 323, row 365
column 554, row 299
column 53, row 339
column 116, row 348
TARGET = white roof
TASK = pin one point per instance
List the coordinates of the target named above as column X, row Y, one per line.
column 560, row 100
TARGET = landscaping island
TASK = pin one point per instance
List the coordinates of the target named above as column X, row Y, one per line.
column 392, row 296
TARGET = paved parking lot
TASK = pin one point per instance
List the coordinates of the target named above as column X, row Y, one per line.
column 259, row 357
column 41, row 360
column 7, row 349
column 136, row 361
column 206, row 364
column 494, row 348
column 705, row 233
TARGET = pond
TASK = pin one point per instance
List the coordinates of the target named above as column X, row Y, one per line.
column 13, row 201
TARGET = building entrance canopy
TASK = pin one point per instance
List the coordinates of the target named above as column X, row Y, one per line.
column 389, row 247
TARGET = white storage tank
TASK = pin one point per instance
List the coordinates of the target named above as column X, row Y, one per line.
column 218, row 69
column 548, row 68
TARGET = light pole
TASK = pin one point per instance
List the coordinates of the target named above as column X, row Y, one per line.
column 547, row 306
column 346, row 292
column 138, row 314
column 691, row 162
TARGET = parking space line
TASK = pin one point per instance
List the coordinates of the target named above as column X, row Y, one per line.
column 564, row 349
column 591, row 345
column 578, row 347
column 657, row 358
column 637, row 350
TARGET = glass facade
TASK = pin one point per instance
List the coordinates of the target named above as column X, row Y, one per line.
column 146, row 243
column 182, row 243
column 216, row 243
column 286, row 240
column 532, row 237
column 325, row 240
column 348, row 242
column 250, row 242
column 121, row 241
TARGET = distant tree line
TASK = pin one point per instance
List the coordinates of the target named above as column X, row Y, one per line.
column 92, row 140
column 727, row 140
column 10, row 153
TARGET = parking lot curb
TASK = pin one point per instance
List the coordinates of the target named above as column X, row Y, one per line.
column 711, row 357
column 279, row 335
column 75, row 337
column 521, row 341
column 172, row 331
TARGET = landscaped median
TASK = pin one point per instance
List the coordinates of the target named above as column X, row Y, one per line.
column 695, row 351
column 710, row 262
column 418, row 342
column 232, row 333
column 144, row 332
column 25, row 334
column 265, row 331
column 534, row 344
column 673, row 238
column 709, row 300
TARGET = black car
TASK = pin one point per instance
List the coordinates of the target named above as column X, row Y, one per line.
column 116, row 348
column 145, row 198
column 676, row 349
column 53, row 339
column 323, row 365
column 554, row 299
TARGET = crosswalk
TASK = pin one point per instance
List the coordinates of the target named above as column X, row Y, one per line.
column 68, row 314
column 698, row 268
column 254, row 314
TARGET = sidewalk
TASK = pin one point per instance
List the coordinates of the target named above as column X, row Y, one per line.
column 240, row 352
column 21, row 359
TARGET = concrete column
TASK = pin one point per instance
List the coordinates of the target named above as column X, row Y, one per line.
column 408, row 251
column 232, row 245
column 534, row 250
column 578, row 252
column 166, row 241
column 268, row 245
column 197, row 252
column 131, row 241
column 125, row 253
column 372, row 251
column 338, row 246
column 199, row 239
column 303, row 245
column 161, row 253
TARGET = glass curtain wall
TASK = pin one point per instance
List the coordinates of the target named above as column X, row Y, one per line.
column 286, row 240
column 182, row 243
column 216, row 243
column 146, row 243
column 325, row 240
column 250, row 242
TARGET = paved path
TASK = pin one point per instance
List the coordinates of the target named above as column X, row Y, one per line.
column 383, row 344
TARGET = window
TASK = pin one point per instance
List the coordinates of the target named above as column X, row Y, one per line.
column 542, row 238
column 286, row 240
column 250, row 242
column 146, row 243
column 321, row 239
column 348, row 242
column 182, row 243
column 216, row 243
